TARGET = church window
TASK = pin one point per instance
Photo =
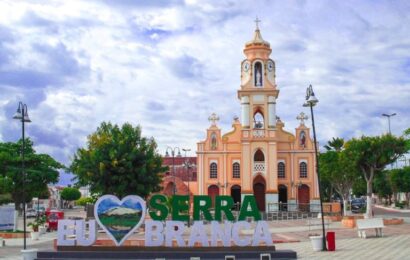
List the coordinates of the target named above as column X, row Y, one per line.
column 258, row 74
column 259, row 157
column 281, row 170
column 214, row 143
column 236, row 171
column 258, row 120
column 303, row 170
column 213, row 171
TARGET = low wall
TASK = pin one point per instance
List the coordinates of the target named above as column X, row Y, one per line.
column 332, row 207
column 393, row 221
column 350, row 221
column 8, row 235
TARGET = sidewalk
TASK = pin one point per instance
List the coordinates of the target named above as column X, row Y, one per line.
column 384, row 248
column 13, row 247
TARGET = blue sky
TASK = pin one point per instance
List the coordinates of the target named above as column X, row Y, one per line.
column 167, row 65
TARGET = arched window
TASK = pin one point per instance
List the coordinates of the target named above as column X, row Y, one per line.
column 259, row 157
column 214, row 143
column 258, row 120
column 236, row 170
column 258, row 74
column 213, row 171
column 281, row 170
column 303, row 170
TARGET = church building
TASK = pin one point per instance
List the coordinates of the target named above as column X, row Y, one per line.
column 258, row 157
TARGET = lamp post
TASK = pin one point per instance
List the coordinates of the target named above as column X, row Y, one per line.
column 297, row 186
column 187, row 167
column 173, row 150
column 311, row 101
column 388, row 119
column 22, row 115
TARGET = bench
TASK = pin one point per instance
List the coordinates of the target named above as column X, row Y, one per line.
column 318, row 222
column 363, row 224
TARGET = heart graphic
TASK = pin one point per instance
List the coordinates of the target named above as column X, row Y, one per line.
column 119, row 218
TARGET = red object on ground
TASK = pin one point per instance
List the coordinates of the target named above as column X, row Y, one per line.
column 331, row 241
column 52, row 218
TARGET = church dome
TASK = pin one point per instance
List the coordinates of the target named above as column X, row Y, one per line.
column 257, row 39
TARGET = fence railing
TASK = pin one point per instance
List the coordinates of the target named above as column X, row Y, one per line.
column 295, row 211
column 328, row 208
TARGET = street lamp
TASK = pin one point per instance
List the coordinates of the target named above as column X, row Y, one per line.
column 388, row 119
column 187, row 167
column 311, row 101
column 173, row 150
column 22, row 115
column 297, row 185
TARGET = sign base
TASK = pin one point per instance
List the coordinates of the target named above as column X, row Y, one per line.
column 129, row 252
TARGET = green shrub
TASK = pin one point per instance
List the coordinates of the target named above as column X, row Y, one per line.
column 84, row 201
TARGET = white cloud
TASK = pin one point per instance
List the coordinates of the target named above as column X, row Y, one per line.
column 168, row 67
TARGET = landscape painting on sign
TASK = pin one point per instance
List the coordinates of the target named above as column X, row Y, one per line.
column 119, row 218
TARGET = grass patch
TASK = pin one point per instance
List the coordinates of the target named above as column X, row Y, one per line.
column 129, row 220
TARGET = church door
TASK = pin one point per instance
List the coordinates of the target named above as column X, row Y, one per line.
column 303, row 197
column 283, row 197
column 213, row 191
column 236, row 196
column 259, row 189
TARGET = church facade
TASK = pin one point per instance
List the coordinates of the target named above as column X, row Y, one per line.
column 258, row 157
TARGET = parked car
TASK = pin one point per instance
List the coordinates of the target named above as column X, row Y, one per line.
column 358, row 205
column 40, row 211
column 31, row 213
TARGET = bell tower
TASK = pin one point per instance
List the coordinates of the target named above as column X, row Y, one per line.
column 258, row 94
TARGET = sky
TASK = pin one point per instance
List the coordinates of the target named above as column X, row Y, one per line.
column 109, row 203
column 167, row 65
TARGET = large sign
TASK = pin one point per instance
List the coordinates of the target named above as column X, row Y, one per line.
column 166, row 226
column 7, row 218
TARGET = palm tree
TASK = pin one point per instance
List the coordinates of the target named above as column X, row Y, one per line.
column 336, row 144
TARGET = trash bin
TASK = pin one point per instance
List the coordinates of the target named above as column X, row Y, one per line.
column 331, row 241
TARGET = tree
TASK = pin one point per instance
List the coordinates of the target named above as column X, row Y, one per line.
column 40, row 169
column 70, row 194
column 5, row 198
column 359, row 188
column 406, row 135
column 400, row 180
column 371, row 155
column 119, row 161
column 338, row 169
column 335, row 145
column 382, row 185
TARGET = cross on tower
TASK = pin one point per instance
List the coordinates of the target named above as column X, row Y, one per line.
column 257, row 21
column 213, row 118
column 302, row 117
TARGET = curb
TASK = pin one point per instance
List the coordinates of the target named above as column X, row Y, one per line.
column 392, row 210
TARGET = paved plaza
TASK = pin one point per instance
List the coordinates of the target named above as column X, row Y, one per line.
column 292, row 235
